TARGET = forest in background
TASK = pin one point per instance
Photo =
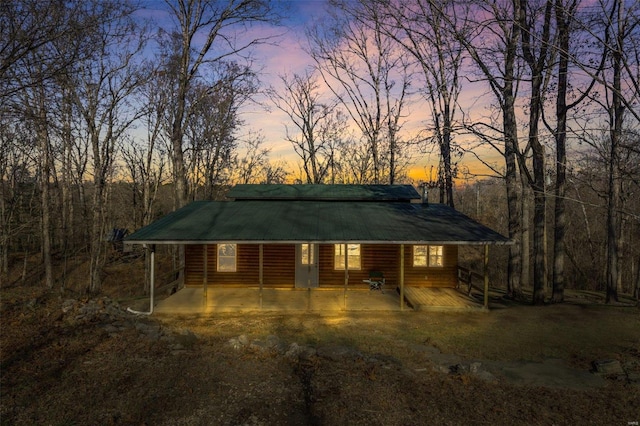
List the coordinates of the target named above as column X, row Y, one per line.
column 108, row 121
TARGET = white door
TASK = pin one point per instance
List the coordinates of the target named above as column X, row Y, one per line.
column 306, row 265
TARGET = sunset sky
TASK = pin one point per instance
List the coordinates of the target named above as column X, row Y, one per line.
column 286, row 55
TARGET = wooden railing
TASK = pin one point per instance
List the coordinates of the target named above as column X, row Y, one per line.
column 170, row 281
column 470, row 279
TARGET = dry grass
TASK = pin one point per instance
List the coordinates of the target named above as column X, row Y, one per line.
column 58, row 370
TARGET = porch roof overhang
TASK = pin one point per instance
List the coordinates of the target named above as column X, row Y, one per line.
column 315, row 221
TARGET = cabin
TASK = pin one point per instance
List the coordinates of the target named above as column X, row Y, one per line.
column 318, row 236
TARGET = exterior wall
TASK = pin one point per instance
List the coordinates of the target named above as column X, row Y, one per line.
column 441, row 276
column 278, row 270
column 374, row 257
column 279, row 267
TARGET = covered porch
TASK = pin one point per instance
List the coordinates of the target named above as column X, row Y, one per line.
column 194, row 301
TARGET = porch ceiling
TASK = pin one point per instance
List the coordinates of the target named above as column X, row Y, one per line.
column 293, row 221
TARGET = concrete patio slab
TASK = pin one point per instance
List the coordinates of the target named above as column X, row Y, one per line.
column 194, row 301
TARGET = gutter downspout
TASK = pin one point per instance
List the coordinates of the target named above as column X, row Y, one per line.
column 152, row 283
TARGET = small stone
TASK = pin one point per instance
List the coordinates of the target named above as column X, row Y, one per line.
column 258, row 346
column 608, row 367
column 486, row 376
column 235, row 343
column 275, row 344
column 296, row 351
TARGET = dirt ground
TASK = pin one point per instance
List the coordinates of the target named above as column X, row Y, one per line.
column 71, row 360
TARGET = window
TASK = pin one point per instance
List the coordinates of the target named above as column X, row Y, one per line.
column 227, row 257
column 435, row 255
column 307, row 254
column 424, row 256
column 353, row 251
column 420, row 256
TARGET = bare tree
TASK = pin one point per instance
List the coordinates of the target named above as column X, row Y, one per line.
column 40, row 42
column 18, row 162
column 28, row 30
column 536, row 34
column 420, row 27
column 615, row 28
column 211, row 130
column 492, row 43
column 216, row 24
column 101, row 89
column 251, row 164
column 622, row 27
column 367, row 71
column 566, row 24
column 301, row 101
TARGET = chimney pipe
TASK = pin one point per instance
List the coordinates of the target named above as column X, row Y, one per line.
column 425, row 195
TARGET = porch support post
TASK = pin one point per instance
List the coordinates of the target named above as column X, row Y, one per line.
column 486, row 276
column 401, row 277
column 260, row 269
column 346, row 274
column 205, row 274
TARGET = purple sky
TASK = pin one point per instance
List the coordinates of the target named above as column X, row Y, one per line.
column 286, row 55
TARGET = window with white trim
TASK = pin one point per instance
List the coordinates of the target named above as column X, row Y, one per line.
column 227, row 257
column 354, row 259
column 427, row 256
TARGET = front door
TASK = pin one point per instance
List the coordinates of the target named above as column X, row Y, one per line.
column 306, row 265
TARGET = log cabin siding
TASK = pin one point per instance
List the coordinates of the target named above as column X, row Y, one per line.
column 439, row 276
column 373, row 257
column 279, row 267
column 278, row 270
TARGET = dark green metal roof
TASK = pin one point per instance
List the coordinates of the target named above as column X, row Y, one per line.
column 315, row 221
column 324, row 192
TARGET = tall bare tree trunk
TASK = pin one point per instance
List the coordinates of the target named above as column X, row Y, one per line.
column 560, row 220
column 177, row 153
column 616, row 113
column 501, row 81
column 513, row 185
column 537, row 66
column 45, row 195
